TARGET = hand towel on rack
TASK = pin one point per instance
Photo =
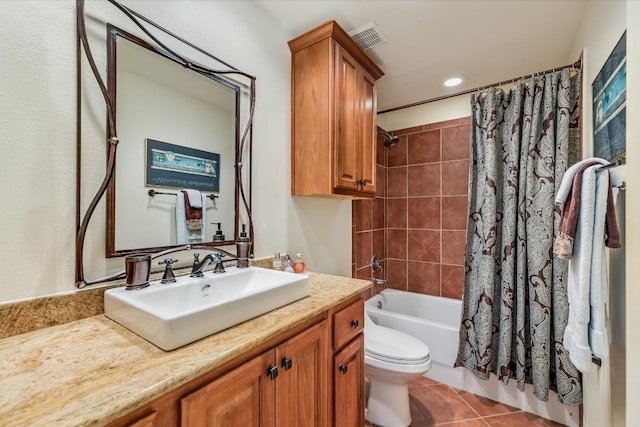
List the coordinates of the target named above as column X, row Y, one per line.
column 568, row 198
column 193, row 209
column 183, row 234
column 612, row 232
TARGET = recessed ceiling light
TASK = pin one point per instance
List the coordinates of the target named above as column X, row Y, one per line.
column 453, row 81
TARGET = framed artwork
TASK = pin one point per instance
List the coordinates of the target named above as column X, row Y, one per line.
column 609, row 104
column 170, row 165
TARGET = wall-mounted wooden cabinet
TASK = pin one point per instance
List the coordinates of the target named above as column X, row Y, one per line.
column 333, row 90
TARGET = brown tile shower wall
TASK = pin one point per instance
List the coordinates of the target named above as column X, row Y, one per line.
column 425, row 209
column 368, row 231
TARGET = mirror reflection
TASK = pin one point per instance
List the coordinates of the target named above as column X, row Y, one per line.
column 178, row 130
column 184, row 122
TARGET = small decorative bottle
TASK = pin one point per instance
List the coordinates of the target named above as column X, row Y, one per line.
column 299, row 266
column 277, row 262
column 288, row 266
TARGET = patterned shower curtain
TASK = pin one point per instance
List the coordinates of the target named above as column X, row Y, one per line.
column 515, row 305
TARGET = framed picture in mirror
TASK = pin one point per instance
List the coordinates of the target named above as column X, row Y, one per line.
column 171, row 165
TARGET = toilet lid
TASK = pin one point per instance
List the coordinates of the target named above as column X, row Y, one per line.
column 394, row 346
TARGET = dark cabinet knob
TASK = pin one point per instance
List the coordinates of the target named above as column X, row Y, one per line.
column 287, row 363
column 354, row 323
column 272, row 372
column 343, row 368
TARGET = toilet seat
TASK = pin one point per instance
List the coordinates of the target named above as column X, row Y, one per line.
column 392, row 346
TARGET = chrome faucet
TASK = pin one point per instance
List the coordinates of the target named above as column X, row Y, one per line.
column 199, row 266
column 375, row 268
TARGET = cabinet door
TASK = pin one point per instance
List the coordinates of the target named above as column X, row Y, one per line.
column 244, row 397
column 301, row 387
column 146, row 421
column 367, row 149
column 347, row 123
column 348, row 385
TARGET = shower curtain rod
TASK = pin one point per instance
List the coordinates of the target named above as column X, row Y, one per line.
column 576, row 66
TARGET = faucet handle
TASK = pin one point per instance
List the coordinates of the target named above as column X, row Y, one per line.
column 168, row 276
column 375, row 264
column 196, row 257
column 217, row 258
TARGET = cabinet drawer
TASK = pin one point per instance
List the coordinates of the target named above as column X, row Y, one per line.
column 347, row 323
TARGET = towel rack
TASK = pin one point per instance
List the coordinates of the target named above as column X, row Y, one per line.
column 622, row 160
column 153, row 193
column 617, row 162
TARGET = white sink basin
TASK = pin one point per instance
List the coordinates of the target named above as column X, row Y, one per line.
column 176, row 314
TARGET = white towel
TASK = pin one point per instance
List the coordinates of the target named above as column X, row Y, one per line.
column 183, row 235
column 587, row 282
column 567, row 179
column 576, row 335
column 599, row 286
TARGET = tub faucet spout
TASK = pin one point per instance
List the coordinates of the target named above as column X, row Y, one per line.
column 378, row 281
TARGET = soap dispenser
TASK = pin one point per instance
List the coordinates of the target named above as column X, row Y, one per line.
column 218, row 237
column 242, row 247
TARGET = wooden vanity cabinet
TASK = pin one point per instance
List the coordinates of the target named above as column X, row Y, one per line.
column 243, row 397
column 348, row 366
column 333, row 90
column 348, row 394
column 286, row 386
column 309, row 375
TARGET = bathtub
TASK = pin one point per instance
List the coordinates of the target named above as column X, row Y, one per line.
column 436, row 322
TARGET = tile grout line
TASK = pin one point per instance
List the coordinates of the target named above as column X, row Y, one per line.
column 440, row 194
column 466, row 403
column 449, row 423
column 406, row 207
column 510, row 413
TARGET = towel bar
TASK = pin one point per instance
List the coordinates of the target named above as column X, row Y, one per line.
column 153, row 193
column 617, row 162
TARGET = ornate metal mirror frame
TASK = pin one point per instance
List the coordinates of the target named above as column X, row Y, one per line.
column 112, row 136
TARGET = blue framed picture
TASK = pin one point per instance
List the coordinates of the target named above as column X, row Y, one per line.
column 170, row 165
column 610, row 104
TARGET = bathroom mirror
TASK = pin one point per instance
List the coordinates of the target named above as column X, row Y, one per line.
column 164, row 97
column 166, row 111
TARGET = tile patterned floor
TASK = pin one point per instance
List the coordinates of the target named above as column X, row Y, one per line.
column 437, row 404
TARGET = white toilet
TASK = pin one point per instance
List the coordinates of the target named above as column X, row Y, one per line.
column 392, row 360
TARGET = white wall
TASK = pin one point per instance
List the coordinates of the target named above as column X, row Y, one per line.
column 633, row 207
column 602, row 26
column 37, row 116
column 432, row 112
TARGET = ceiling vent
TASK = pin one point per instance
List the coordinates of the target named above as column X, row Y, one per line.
column 368, row 36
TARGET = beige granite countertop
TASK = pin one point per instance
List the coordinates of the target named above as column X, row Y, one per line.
column 93, row 371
